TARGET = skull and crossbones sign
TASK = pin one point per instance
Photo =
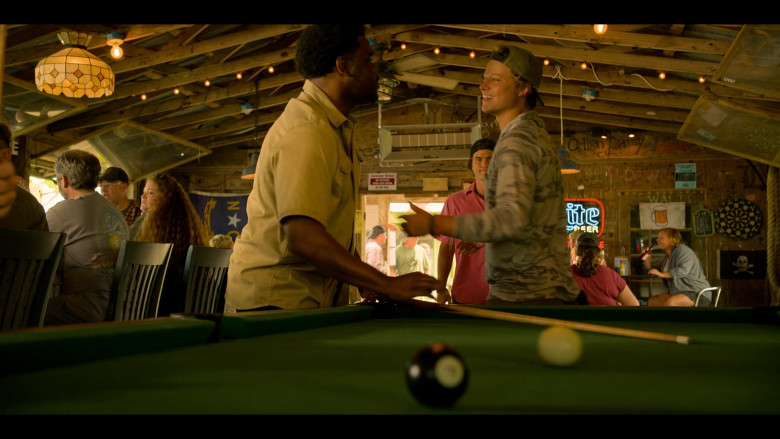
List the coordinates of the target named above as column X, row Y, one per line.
column 742, row 265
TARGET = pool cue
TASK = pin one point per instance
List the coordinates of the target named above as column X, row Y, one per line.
column 544, row 321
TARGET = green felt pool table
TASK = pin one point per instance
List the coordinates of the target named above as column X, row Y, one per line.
column 351, row 360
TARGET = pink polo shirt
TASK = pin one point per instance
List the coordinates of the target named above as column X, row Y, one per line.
column 469, row 285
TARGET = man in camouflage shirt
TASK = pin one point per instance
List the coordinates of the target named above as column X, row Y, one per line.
column 524, row 222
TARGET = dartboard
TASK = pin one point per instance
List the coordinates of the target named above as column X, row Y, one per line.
column 738, row 219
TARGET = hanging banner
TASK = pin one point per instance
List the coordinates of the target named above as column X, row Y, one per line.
column 656, row 216
column 223, row 214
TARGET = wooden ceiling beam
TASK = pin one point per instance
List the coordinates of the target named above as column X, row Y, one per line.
column 255, row 33
column 585, row 34
column 579, row 55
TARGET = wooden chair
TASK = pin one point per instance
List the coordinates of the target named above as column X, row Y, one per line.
column 138, row 280
column 28, row 264
column 205, row 277
column 715, row 296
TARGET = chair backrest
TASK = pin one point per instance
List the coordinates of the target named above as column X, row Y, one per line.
column 138, row 280
column 714, row 295
column 205, row 277
column 28, row 264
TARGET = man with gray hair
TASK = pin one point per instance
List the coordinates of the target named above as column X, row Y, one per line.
column 95, row 229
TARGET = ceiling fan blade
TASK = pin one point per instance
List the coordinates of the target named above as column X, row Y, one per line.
column 429, row 80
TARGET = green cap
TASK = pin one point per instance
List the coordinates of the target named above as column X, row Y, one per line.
column 522, row 63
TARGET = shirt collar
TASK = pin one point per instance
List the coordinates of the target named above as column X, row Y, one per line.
column 335, row 116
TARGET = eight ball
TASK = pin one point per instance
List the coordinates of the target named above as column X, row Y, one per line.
column 437, row 375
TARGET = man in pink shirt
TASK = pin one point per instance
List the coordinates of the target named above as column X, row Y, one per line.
column 469, row 285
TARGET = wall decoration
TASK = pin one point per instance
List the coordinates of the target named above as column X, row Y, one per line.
column 738, row 219
column 703, row 223
column 742, row 264
column 656, row 216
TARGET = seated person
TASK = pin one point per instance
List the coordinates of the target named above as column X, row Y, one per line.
column 221, row 241
column 18, row 208
column 601, row 284
column 95, row 230
column 169, row 216
column 681, row 271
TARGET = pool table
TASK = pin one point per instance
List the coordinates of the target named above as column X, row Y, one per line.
column 351, row 360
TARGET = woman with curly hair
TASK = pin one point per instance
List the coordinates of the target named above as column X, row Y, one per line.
column 601, row 284
column 169, row 216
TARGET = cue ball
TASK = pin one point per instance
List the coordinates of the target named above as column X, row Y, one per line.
column 559, row 346
column 437, row 375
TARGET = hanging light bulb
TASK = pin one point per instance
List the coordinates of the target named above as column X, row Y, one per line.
column 702, row 79
column 114, row 39
column 472, row 54
column 238, row 75
column 143, row 97
column 207, row 83
column 271, row 69
column 403, row 46
column 662, row 75
column 436, row 51
column 546, row 62
column 175, row 91
column 600, row 28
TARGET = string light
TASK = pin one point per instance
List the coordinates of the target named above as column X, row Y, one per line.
column 546, row 62
column 143, row 97
column 472, row 54
column 403, row 46
column 584, row 66
column 436, row 51
column 600, row 28
column 701, row 79
column 271, row 69
column 175, row 91
column 662, row 75
column 207, row 83
column 238, row 75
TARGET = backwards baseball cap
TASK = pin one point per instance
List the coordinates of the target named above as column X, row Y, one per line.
column 376, row 231
column 522, row 63
column 587, row 240
column 114, row 174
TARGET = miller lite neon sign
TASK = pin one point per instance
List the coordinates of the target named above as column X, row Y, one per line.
column 585, row 215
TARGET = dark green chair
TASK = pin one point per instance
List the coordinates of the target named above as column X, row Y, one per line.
column 205, row 277
column 28, row 264
column 138, row 280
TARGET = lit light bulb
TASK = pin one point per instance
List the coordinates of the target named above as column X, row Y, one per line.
column 403, row 46
column 472, row 54
column 207, row 83
column 584, row 66
column 701, row 79
column 117, row 52
column 143, row 97
column 662, row 75
column 175, row 91
column 238, row 75
column 546, row 62
column 600, row 28
column 271, row 69
column 436, row 51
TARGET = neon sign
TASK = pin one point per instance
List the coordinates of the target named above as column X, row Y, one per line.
column 585, row 215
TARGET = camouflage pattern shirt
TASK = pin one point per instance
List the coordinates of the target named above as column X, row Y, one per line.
column 524, row 222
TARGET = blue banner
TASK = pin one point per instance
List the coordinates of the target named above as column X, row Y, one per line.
column 223, row 214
